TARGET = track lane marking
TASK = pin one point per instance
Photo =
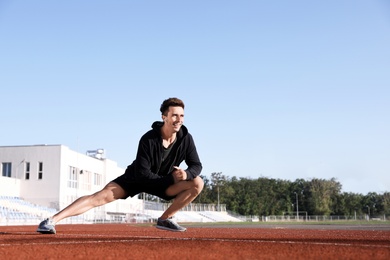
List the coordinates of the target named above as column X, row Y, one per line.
column 153, row 239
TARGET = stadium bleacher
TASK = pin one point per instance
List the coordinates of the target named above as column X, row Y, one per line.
column 18, row 211
column 15, row 210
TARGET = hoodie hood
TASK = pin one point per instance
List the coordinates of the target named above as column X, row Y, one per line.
column 156, row 126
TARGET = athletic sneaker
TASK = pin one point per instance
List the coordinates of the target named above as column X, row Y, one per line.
column 169, row 224
column 46, row 227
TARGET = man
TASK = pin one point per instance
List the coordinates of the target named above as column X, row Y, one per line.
column 155, row 171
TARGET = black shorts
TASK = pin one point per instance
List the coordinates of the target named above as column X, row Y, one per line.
column 134, row 186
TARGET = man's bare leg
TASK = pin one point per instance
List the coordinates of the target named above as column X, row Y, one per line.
column 109, row 193
column 186, row 192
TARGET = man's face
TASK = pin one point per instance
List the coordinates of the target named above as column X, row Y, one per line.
column 174, row 118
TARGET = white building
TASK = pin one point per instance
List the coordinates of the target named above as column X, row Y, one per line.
column 54, row 176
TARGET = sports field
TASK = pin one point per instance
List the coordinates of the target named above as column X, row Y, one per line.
column 144, row 241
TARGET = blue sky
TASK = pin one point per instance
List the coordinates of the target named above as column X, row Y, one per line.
column 278, row 89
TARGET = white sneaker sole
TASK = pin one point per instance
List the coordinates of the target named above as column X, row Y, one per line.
column 45, row 231
column 170, row 229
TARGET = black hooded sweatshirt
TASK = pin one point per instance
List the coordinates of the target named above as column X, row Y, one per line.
column 148, row 161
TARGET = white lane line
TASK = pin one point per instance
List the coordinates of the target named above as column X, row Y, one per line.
column 152, row 239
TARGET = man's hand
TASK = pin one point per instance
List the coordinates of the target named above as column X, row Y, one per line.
column 179, row 174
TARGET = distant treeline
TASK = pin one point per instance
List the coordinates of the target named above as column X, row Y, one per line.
column 265, row 196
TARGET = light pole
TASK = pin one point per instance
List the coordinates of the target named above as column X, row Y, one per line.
column 368, row 211
column 218, row 196
column 296, row 194
column 216, row 178
column 297, row 205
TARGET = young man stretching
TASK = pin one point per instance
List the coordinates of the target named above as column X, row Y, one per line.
column 155, row 171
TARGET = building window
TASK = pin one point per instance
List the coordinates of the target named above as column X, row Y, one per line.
column 85, row 180
column 72, row 177
column 97, row 179
column 27, row 171
column 40, row 170
column 7, row 169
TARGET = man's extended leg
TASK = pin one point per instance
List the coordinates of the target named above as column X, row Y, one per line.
column 109, row 193
column 186, row 192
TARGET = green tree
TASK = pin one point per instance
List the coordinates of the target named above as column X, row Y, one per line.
column 350, row 204
column 322, row 194
column 205, row 196
column 299, row 188
column 386, row 203
column 373, row 204
column 265, row 196
column 219, row 187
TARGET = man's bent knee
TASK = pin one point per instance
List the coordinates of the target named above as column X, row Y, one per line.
column 199, row 183
column 195, row 185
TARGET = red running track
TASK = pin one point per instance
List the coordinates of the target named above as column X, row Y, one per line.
column 124, row 241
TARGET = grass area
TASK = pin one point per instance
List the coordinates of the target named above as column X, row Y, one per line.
column 339, row 222
column 333, row 222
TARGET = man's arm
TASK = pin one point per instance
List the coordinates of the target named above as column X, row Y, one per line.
column 192, row 160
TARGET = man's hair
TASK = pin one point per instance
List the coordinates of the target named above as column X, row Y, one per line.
column 170, row 102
